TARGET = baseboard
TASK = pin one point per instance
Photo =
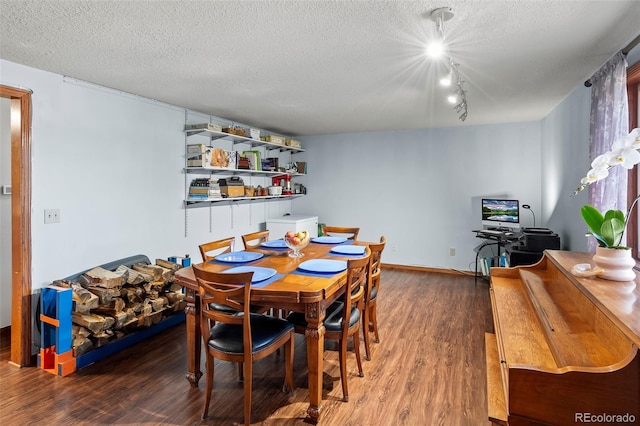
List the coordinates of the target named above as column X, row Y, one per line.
column 425, row 269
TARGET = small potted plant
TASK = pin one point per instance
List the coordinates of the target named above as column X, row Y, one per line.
column 608, row 229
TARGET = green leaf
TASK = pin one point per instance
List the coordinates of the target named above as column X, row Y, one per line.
column 610, row 214
column 612, row 230
column 593, row 218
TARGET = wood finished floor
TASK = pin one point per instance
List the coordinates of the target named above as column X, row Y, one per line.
column 428, row 369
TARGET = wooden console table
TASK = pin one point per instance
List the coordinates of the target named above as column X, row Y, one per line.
column 565, row 349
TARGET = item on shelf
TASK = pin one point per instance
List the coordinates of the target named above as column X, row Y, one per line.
column 223, row 158
column 270, row 164
column 274, row 139
column 284, row 182
column 232, row 187
column 243, row 162
column 249, row 191
column 275, row 190
column 254, row 159
column 199, row 155
column 235, row 131
column 204, row 126
column 204, row 188
column 301, row 167
column 293, row 143
column 254, row 134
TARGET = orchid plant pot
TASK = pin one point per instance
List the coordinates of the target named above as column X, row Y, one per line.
column 617, row 263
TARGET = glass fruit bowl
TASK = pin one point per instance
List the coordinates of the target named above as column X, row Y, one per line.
column 296, row 241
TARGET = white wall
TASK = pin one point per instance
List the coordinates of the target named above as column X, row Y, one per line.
column 5, row 213
column 565, row 160
column 420, row 187
column 113, row 164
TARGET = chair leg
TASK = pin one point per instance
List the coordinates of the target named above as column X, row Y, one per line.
column 248, row 384
column 209, row 385
column 374, row 321
column 365, row 332
column 343, row 368
column 240, row 372
column 288, row 357
column 356, row 348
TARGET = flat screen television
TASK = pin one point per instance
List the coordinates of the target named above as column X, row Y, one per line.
column 497, row 213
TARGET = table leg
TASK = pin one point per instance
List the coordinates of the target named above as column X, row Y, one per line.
column 314, row 334
column 194, row 337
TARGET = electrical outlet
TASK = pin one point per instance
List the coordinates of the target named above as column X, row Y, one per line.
column 452, row 251
column 52, row 216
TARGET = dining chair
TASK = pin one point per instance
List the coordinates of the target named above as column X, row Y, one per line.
column 238, row 338
column 254, row 239
column 370, row 317
column 343, row 316
column 218, row 247
column 349, row 233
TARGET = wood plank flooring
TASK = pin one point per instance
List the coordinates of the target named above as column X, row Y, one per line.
column 428, row 369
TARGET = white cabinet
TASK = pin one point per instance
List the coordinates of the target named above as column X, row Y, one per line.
column 279, row 226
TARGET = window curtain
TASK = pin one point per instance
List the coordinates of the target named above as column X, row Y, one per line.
column 609, row 125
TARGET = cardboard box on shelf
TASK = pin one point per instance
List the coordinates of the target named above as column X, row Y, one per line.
column 204, row 126
column 273, row 139
column 301, row 166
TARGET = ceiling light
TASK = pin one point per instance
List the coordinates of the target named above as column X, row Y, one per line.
column 439, row 17
column 446, row 80
column 435, row 49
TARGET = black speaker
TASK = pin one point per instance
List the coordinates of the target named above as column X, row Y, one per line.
column 521, row 257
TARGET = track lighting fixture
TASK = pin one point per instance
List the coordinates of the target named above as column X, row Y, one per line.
column 452, row 77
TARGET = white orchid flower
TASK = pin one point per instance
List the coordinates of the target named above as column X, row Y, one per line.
column 600, row 161
column 624, row 153
column 633, row 139
column 625, row 157
column 595, row 175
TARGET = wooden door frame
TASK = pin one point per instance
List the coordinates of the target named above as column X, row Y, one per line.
column 20, row 224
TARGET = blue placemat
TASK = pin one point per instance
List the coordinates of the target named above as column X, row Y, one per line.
column 266, row 282
column 231, row 264
column 314, row 274
column 354, row 256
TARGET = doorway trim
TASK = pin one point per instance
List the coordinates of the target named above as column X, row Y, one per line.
column 20, row 224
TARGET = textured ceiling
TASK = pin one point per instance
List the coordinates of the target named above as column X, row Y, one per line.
column 318, row 67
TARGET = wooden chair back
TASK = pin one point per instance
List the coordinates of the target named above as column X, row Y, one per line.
column 254, row 239
column 357, row 283
column 370, row 317
column 376, row 257
column 219, row 247
column 230, row 290
column 349, row 233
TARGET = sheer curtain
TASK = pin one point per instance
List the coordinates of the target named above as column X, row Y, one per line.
column 609, row 123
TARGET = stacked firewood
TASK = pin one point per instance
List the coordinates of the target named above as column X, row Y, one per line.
column 107, row 305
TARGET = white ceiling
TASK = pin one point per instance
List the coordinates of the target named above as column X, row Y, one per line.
column 318, row 67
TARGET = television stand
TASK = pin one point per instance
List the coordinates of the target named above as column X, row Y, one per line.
column 492, row 237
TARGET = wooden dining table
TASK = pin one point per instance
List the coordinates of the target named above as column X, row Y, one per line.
column 291, row 289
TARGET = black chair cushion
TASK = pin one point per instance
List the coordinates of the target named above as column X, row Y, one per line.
column 374, row 293
column 332, row 321
column 222, row 308
column 264, row 329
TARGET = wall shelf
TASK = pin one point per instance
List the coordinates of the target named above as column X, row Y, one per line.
column 236, row 172
column 197, row 202
column 213, row 135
